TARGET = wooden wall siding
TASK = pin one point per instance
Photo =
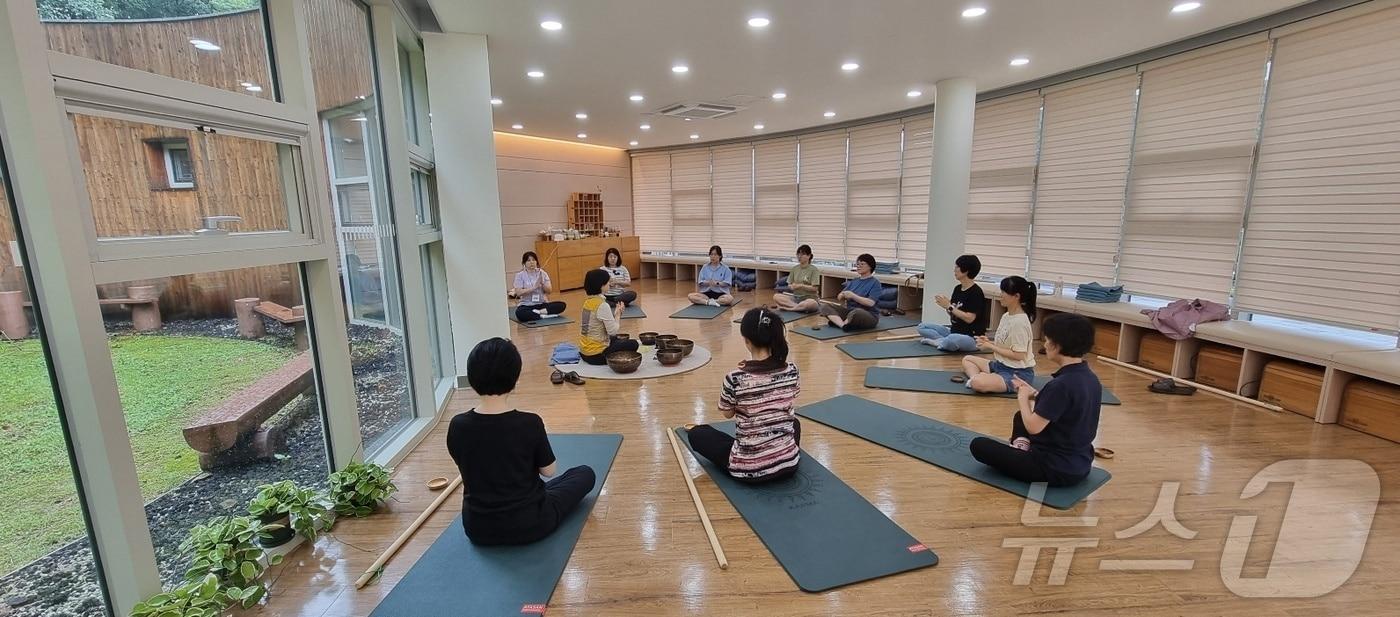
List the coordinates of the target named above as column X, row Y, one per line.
column 341, row 58
column 211, row 294
column 163, row 47
column 11, row 278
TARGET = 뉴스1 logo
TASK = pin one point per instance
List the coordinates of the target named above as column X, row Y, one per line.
column 917, row 548
column 532, row 609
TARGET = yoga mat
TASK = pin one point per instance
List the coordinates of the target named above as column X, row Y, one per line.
column 788, row 316
column 920, row 380
column 939, row 443
column 883, row 350
column 828, row 332
column 456, row 577
column 822, row 532
column 555, row 320
column 703, row 311
column 633, row 312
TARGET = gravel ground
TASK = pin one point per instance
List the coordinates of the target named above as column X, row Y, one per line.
column 64, row 583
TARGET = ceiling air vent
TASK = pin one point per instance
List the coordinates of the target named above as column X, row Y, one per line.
column 698, row 111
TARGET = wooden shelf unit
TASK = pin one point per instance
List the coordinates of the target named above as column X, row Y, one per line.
column 586, row 211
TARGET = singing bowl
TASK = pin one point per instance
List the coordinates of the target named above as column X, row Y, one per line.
column 669, row 357
column 623, row 362
column 647, row 338
column 685, row 345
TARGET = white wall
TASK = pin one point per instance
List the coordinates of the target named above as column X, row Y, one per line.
column 535, row 177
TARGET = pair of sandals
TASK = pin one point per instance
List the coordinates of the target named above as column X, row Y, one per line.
column 1168, row 386
column 558, row 377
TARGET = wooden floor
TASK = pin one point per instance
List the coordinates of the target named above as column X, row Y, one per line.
column 643, row 551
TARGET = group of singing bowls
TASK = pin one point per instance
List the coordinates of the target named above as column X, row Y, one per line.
column 670, row 349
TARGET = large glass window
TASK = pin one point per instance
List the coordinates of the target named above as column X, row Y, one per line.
column 218, row 43
column 439, row 326
column 46, row 563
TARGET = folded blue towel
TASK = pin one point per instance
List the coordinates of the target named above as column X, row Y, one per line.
column 890, row 292
column 1099, row 294
column 565, row 353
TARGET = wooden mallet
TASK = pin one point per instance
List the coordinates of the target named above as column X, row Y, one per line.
column 378, row 565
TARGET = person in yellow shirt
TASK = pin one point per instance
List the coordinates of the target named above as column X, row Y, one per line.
column 600, row 321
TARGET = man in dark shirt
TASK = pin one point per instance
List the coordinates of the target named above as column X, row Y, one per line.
column 502, row 452
column 967, row 311
column 1053, row 441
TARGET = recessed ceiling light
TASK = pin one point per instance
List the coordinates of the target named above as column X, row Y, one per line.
column 1020, row 61
column 646, row 127
column 204, row 45
column 1186, row 7
column 975, row 11
column 551, row 25
column 517, row 126
column 914, row 94
column 636, row 98
column 758, row 22
column 849, row 66
column 829, row 114
column 536, row 73
column 680, row 68
column 253, row 88
column 779, row 95
column 583, row 135
column 694, row 136
column 581, row 116
column 758, row 127
column 496, row 101
column 632, row 143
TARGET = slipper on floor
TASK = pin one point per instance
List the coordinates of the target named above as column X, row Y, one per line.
column 573, row 378
column 557, row 377
column 1168, row 386
column 1103, row 453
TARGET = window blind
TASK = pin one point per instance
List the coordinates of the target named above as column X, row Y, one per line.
column 690, row 200
column 733, row 198
column 1005, row 135
column 872, row 184
column 913, row 190
column 1323, row 236
column 1197, row 121
column 775, row 197
column 821, row 194
column 651, row 200
column 1083, row 173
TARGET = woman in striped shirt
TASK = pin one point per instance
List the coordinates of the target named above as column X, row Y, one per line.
column 759, row 396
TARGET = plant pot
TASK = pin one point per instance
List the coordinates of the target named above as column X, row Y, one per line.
column 277, row 537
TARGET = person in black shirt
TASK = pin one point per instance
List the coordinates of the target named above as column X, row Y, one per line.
column 967, row 311
column 1054, row 441
column 502, row 452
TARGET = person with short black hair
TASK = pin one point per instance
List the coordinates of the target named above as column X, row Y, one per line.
column 1012, row 354
column 600, row 322
column 805, row 283
column 968, row 312
column 714, row 281
column 501, row 453
column 532, row 287
column 861, row 294
column 759, row 396
column 1052, row 433
column 620, row 285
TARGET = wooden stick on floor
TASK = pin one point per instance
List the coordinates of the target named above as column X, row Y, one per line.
column 1225, row 393
column 899, row 337
column 378, row 565
column 699, row 506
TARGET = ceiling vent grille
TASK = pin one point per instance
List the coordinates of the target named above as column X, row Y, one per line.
column 698, row 111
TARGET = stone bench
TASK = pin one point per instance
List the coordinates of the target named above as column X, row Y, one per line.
column 250, row 312
column 233, row 431
column 143, row 300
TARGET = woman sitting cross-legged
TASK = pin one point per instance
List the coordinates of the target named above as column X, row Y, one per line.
column 1012, row 355
column 532, row 287
column 714, row 281
column 967, row 311
column 502, row 452
column 860, row 295
column 759, row 396
column 620, row 285
column 805, row 281
column 600, row 322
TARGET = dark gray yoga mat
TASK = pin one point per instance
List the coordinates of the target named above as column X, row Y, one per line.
column 456, row 577
column 922, row 380
column 633, row 312
column 939, row 443
column 883, row 350
column 828, row 332
column 821, row 531
column 703, row 311
column 787, row 316
column 556, row 320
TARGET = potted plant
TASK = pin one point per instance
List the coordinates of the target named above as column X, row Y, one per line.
column 358, row 489
column 226, row 548
column 292, row 510
column 201, row 598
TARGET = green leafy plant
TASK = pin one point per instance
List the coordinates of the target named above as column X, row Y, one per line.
column 225, row 548
column 308, row 508
column 359, row 488
column 201, row 598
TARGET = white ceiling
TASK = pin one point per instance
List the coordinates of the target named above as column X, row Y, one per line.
column 610, row 49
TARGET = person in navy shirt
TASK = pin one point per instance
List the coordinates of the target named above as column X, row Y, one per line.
column 1052, row 434
column 714, row 281
column 860, row 295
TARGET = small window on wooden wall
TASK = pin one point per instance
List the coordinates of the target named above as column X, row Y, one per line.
column 169, row 164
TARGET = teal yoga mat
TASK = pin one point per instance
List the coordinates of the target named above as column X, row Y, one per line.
column 921, row 380
column 456, row 577
column 883, row 350
column 939, row 443
column 633, row 312
column 828, row 332
column 787, row 316
column 822, row 532
column 703, row 311
column 557, row 320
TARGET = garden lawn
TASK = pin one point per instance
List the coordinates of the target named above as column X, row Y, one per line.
column 164, row 381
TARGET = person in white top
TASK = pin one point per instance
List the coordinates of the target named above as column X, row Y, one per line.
column 619, row 287
column 1013, row 355
column 532, row 287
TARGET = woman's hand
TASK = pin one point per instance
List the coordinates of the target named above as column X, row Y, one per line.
column 942, row 300
column 845, row 295
column 1024, row 391
column 984, row 343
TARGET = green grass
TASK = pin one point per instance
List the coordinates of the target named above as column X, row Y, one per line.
column 164, row 381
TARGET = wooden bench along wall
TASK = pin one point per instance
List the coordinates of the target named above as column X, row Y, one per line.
column 238, row 419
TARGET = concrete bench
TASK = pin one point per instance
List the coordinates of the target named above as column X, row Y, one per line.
column 251, row 311
column 233, row 431
column 143, row 300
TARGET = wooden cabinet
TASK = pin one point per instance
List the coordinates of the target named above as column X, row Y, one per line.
column 568, row 261
column 1219, row 366
column 1293, row 386
column 1372, row 407
column 1106, row 335
column 1156, row 351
